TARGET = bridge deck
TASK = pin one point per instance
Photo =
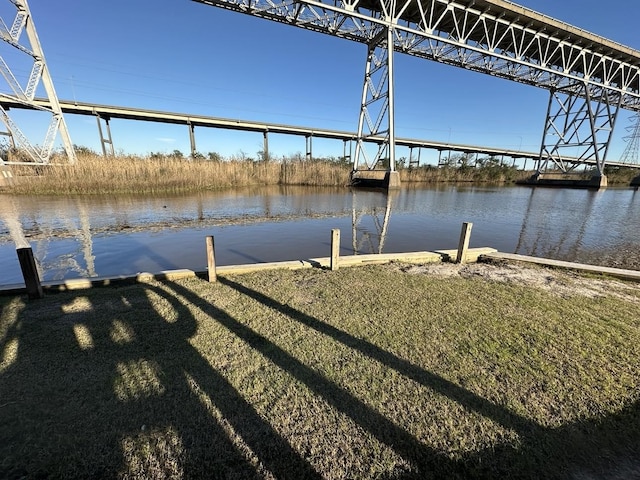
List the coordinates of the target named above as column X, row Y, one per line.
column 510, row 12
column 127, row 113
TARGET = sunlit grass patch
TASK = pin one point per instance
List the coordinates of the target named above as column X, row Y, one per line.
column 365, row 372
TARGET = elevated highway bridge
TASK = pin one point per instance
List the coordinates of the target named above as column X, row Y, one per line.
column 589, row 78
column 104, row 114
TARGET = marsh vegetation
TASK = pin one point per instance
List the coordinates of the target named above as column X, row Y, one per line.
column 156, row 173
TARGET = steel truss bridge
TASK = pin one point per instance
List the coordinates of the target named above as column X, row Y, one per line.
column 589, row 78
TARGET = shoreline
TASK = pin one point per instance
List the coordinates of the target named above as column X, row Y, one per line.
column 479, row 257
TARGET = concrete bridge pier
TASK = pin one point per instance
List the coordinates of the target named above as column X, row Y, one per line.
column 375, row 179
column 6, row 176
column 564, row 179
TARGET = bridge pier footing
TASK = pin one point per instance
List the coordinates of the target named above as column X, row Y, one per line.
column 375, row 179
column 575, row 180
column 6, row 176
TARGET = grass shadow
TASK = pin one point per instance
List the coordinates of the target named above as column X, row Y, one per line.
column 601, row 447
column 110, row 384
column 426, row 460
column 130, row 396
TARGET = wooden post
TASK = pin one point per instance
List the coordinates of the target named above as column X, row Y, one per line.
column 211, row 260
column 335, row 248
column 30, row 272
column 463, row 245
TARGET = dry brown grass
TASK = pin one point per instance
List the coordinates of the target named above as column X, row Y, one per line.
column 94, row 174
column 493, row 174
column 128, row 174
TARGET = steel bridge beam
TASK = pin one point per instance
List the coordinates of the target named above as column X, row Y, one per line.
column 25, row 94
column 377, row 106
column 495, row 37
column 577, row 122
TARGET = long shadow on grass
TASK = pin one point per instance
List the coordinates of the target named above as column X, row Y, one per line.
column 427, row 461
column 607, row 447
column 121, row 392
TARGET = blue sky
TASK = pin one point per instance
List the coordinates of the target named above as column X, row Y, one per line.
column 182, row 56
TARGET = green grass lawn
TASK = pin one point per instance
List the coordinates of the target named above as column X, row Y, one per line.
column 369, row 372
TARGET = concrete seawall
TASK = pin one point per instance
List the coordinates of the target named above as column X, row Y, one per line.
column 573, row 180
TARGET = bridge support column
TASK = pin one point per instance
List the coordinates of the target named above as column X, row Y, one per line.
column 26, row 94
column 192, row 139
column 579, row 124
column 265, row 145
column 344, row 151
column 377, row 103
column 308, row 147
column 105, row 141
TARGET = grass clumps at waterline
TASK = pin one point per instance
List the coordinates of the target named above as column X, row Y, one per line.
column 369, row 372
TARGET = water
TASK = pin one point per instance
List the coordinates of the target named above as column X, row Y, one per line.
column 90, row 236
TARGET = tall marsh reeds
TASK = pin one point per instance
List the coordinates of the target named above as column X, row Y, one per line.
column 95, row 174
column 132, row 174
column 486, row 174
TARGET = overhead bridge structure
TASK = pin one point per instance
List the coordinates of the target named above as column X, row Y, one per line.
column 105, row 113
column 22, row 38
column 589, row 78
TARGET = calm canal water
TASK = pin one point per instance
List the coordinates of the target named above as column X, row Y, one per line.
column 89, row 236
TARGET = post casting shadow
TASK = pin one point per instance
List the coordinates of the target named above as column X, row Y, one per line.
column 607, row 447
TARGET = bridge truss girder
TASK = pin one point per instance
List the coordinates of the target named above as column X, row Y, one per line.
column 579, row 119
column 376, row 109
column 23, row 22
column 509, row 42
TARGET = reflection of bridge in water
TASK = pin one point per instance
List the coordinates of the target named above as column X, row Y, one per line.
column 63, row 238
column 542, row 235
column 88, row 236
column 370, row 221
column 79, row 259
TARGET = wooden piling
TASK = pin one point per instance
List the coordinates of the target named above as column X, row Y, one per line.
column 335, row 248
column 211, row 260
column 30, row 272
column 463, row 245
